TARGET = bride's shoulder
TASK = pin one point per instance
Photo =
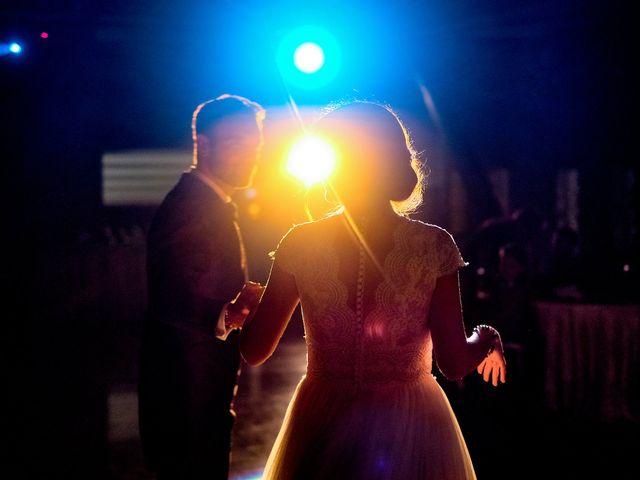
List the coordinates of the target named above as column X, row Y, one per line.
column 429, row 229
column 310, row 229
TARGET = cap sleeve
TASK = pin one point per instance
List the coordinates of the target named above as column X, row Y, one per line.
column 449, row 257
column 285, row 252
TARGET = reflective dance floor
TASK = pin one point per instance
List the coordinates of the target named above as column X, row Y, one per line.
column 263, row 395
column 506, row 440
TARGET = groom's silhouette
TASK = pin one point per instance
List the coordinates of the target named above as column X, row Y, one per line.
column 196, row 265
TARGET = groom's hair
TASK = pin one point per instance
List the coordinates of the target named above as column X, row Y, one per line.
column 209, row 113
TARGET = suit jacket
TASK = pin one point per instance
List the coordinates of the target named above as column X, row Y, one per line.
column 187, row 375
column 194, row 257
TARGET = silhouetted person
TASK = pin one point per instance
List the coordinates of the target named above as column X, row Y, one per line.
column 511, row 296
column 525, row 227
column 196, row 265
column 511, row 310
column 378, row 291
column 507, row 304
column 563, row 277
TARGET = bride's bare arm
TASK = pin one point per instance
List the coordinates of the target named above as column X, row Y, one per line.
column 262, row 331
column 456, row 355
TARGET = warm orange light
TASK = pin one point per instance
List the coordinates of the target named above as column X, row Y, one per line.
column 311, row 160
column 254, row 210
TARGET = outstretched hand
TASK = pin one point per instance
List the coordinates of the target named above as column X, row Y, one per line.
column 494, row 367
column 243, row 305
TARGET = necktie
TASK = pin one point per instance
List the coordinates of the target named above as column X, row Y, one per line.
column 243, row 254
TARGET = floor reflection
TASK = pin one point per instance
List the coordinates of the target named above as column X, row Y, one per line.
column 503, row 442
column 263, row 396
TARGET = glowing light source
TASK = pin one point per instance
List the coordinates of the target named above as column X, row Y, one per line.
column 15, row 48
column 44, row 35
column 311, row 160
column 308, row 57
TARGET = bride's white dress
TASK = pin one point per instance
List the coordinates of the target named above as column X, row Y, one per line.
column 368, row 406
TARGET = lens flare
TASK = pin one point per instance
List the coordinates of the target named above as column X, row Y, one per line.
column 311, row 160
column 309, row 57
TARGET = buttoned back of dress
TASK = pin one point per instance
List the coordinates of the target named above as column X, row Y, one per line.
column 364, row 327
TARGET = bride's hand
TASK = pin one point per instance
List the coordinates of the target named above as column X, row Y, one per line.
column 494, row 367
column 249, row 297
column 243, row 305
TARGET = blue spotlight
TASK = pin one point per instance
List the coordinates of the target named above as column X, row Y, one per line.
column 309, row 57
column 12, row 48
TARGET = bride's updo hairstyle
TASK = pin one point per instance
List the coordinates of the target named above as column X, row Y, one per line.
column 376, row 161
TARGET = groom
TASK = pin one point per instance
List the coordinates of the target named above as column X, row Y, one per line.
column 196, row 265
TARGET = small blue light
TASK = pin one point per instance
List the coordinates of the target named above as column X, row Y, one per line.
column 309, row 57
column 15, row 48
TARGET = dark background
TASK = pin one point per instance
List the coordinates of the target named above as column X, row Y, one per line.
column 532, row 87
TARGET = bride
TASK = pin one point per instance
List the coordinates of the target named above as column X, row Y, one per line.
column 378, row 291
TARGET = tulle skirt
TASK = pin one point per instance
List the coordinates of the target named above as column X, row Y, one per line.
column 399, row 431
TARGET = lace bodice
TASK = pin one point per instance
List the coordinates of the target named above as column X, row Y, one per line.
column 360, row 332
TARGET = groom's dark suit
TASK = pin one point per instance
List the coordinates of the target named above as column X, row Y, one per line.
column 188, row 376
